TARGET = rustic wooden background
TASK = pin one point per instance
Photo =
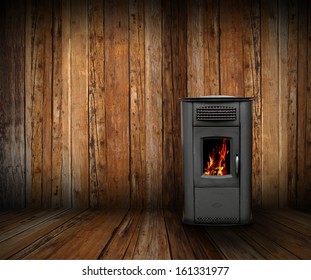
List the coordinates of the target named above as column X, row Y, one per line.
column 90, row 96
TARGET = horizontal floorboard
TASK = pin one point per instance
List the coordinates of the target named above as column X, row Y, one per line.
column 264, row 245
column 124, row 239
column 232, row 245
column 15, row 218
column 85, row 239
column 22, row 244
column 152, row 242
column 27, row 223
column 293, row 241
column 150, row 234
column 177, row 237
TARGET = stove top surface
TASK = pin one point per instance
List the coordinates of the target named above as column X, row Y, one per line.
column 219, row 98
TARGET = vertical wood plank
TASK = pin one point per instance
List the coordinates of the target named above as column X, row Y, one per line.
column 12, row 149
column 292, row 101
column 270, row 101
column 231, row 62
column 18, row 80
column 97, row 114
column 57, row 138
column 137, row 103
column 36, row 108
column 28, row 102
column 302, row 193
column 79, row 105
column 117, row 103
column 66, row 188
column 174, row 88
column 168, row 103
column 252, row 87
column 179, row 56
column 6, row 113
column 39, row 102
column 47, row 107
column 283, row 102
column 211, row 48
column 195, row 48
column 3, row 109
column 308, row 128
column 153, row 103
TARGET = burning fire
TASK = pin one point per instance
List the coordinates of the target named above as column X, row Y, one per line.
column 216, row 165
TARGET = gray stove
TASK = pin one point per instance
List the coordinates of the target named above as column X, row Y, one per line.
column 217, row 160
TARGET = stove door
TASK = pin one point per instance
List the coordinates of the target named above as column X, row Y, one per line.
column 216, row 157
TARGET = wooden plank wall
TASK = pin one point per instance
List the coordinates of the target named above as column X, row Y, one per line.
column 12, row 110
column 90, row 96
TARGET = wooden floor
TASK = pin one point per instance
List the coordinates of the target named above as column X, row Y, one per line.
column 142, row 234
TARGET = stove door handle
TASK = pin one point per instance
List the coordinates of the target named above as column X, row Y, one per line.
column 237, row 165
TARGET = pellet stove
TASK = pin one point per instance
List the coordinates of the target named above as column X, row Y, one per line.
column 217, row 160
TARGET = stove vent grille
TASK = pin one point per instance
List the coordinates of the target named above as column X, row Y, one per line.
column 217, row 220
column 216, row 113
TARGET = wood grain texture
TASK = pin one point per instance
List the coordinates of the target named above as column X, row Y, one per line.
column 27, row 241
column 71, row 243
column 307, row 199
column 117, row 103
column 296, row 242
column 292, row 102
column 202, row 244
column 137, row 103
column 47, row 58
column 40, row 103
column 195, row 51
column 290, row 219
column 13, row 229
column 252, row 88
column 152, row 241
column 34, row 229
column 268, row 248
column 91, row 97
column 97, row 112
column 283, row 102
column 232, row 246
column 79, row 105
column 66, row 105
column 231, row 56
column 8, row 214
column 3, row 139
column 168, row 105
column 179, row 74
column 57, row 105
column 28, row 102
column 14, row 217
column 177, row 237
column 153, row 103
column 174, row 88
column 12, row 95
column 211, row 43
column 302, row 144
column 140, row 234
column 270, row 99
column 121, row 244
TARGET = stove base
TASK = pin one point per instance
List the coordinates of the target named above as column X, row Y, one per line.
column 217, row 206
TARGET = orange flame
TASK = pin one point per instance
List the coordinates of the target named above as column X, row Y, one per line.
column 216, row 165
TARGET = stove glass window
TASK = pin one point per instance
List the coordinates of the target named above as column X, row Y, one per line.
column 216, row 156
